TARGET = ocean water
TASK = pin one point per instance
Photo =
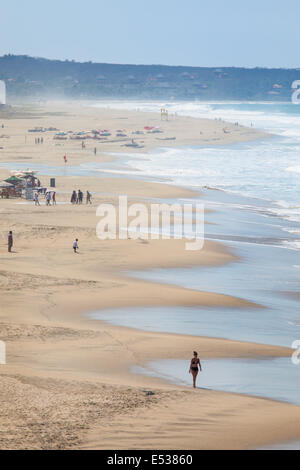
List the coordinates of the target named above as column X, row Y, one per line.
column 101, row 169
column 277, row 378
column 254, row 192
column 267, row 273
column 267, row 170
column 255, row 196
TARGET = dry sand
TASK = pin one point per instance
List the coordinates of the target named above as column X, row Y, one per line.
column 68, row 380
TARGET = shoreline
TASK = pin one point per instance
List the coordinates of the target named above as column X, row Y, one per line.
column 228, row 375
column 46, row 290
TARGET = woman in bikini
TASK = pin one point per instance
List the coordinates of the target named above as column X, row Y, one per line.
column 194, row 367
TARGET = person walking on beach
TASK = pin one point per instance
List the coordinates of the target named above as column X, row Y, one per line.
column 194, row 367
column 73, row 197
column 10, row 241
column 80, row 196
column 54, row 198
column 75, row 245
column 48, row 198
column 88, row 197
column 36, row 199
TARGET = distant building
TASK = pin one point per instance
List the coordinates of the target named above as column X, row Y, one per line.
column 2, row 92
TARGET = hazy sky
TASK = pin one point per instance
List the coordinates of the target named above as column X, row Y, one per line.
column 192, row 32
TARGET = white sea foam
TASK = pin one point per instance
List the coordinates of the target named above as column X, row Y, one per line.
column 236, row 169
column 280, row 118
column 292, row 244
column 293, row 169
column 265, row 170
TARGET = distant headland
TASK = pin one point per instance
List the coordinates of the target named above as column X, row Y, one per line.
column 37, row 78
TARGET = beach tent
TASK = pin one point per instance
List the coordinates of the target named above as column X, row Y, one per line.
column 13, row 180
column 3, row 184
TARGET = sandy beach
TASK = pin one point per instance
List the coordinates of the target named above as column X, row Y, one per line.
column 68, row 381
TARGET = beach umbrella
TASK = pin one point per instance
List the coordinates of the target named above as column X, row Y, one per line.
column 13, row 179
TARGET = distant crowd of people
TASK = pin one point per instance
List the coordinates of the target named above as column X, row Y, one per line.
column 77, row 197
column 50, row 197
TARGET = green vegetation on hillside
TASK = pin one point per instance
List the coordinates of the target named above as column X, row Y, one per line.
column 28, row 77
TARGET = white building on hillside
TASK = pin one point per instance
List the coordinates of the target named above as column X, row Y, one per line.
column 2, row 92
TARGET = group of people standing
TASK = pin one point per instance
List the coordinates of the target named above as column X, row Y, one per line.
column 77, row 197
column 49, row 196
